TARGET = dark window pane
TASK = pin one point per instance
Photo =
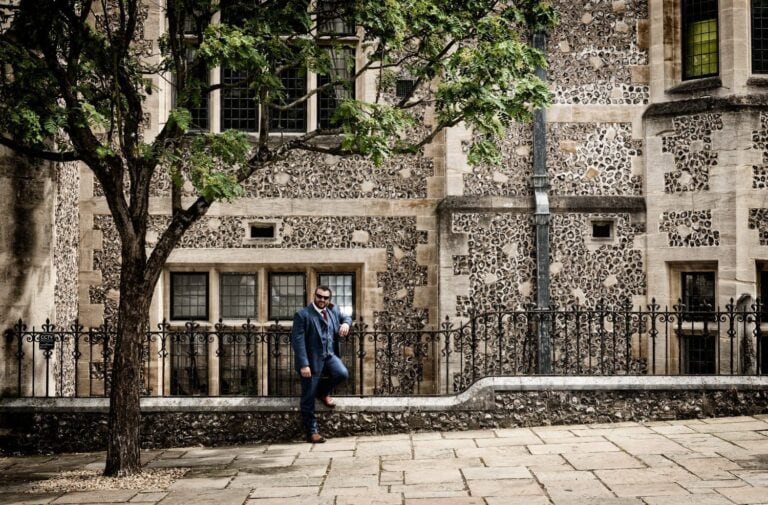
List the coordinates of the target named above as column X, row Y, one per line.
column 764, row 287
column 699, row 38
column 698, row 294
column 760, row 36
column 404, row 87
column 189, row 295
column 699, row 354
column 287, row 294
column 189, row 363
column 239, row 109
column 238, row 296
column 238, row 363
column 263, row 231
column 602, row 230
column 198, row 105
column 333, row 18
column 329, row 99
column 293, row 119
column 343, row 288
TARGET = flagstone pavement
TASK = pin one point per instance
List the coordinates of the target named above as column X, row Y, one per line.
column 692, row 462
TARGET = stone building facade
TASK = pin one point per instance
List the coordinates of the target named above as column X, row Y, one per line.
column 657, row 164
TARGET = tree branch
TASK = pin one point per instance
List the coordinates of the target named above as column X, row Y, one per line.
column 38, row 153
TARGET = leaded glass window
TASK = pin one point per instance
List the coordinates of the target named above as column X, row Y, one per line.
column 700, row 38
column 331, row 19
column 293, row 119
column 342, row 69
column 189, row 295
column 239, row 109
column 698, row 294
column 238, row 295
column 343, row 288
column 287, row 294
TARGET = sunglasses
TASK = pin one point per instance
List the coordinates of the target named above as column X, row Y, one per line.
column 321, row 297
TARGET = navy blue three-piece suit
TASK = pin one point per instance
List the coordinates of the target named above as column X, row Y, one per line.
column 315, row 345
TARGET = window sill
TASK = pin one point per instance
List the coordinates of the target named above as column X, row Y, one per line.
column 704, row 84
column 758, row 82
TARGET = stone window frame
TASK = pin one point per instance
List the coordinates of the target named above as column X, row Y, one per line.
column 311, row 273
column 672, row 37
column 277, row 224
column 599, row 241
column 213, row 102
column 678, row 347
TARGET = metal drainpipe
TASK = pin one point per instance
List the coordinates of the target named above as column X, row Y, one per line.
column 540, row 183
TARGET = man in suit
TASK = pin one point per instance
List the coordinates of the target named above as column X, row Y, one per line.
column 314, row 330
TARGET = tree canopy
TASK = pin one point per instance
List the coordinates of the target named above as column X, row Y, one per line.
column 77, row 74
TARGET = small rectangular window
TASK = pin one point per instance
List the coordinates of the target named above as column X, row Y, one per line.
column 263, row 230
column 239, row 109
column 764, row 287
column 238, row 296
column 329, row 99
column 293, row 119
column 189, row 296
column 287, row 294
column 699, row 38
column 698, row 295
column 760, row 36
column 602, row 229
column 343, row 290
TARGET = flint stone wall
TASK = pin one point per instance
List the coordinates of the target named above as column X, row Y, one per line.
column 488, row 404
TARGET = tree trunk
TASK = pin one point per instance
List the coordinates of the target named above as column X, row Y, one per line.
column 124, row 437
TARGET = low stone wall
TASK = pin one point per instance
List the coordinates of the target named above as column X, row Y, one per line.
column 76, row 425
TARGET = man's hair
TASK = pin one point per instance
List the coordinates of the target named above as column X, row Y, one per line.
column 324, row 288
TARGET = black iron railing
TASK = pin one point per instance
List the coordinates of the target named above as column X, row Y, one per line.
column 192, row 359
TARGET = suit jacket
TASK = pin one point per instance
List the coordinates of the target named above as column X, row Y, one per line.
column 305, row 337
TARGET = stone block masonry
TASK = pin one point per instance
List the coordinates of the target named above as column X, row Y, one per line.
column 80, row 425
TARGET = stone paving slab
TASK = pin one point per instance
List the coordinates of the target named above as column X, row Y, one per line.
column 116, row 496
column 26, row 498
column 685, row 462
column 202, row 497
column 603, row 461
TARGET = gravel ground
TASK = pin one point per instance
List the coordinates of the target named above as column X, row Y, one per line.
column 158, row 479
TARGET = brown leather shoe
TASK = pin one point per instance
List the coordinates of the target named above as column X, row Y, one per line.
column 328, row 402
column 315, row 438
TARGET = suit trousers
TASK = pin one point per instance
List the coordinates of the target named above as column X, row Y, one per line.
column 319, row 385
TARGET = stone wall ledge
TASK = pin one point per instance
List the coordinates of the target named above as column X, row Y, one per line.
column 707, row 104
column 558, row 203
column 480, row 396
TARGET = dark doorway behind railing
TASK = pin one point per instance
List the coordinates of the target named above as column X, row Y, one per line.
column 257, row 360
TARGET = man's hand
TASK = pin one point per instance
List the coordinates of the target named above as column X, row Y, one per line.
column 306, row 372
column 343, row 330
